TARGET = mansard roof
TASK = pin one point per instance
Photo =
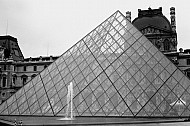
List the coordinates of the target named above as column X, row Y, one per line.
column 152, row 17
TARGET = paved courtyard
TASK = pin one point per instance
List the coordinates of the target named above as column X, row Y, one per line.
column 37, row 120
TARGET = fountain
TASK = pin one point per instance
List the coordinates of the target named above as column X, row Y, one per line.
column 69, row 109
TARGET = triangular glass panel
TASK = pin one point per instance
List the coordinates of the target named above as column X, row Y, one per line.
column 114, row 70
column 142, row 112
column 26, row 112
column 128, row 112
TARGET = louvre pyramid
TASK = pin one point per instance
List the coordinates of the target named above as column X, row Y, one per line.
column 115, row 71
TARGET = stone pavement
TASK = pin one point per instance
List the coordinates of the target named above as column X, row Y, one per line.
column 95, row 121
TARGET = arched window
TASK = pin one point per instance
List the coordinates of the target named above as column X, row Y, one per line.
column 24, row 79
column 166, row 45
column 14, row 79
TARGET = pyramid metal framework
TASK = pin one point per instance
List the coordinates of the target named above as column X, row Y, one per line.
column 115, row 71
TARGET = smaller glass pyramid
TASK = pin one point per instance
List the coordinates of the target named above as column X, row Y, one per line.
column 115, row 71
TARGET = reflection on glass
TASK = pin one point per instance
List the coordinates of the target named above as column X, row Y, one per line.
column 115, row 71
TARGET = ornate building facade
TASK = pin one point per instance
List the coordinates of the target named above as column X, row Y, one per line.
column 15, row 70
column 162, row 33
column 115, row 71
column 157, row 28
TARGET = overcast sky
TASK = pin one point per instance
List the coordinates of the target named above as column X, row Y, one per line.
column 50, row 27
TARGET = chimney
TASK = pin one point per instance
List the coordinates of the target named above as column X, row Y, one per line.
column 30, row 59
column 51, row 58
column 40, row 58
column 180, row 50
column 173, row 22
column 128, row 16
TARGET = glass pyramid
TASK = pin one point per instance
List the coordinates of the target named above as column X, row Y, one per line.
column 115, row 71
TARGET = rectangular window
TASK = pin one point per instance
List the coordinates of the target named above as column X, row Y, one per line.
column 35, row 68
column 14, row 67
column 4, row 67
column 188, row 61
column 24, row 68
column 188, row 74
column 4, row 82
column 14, row 80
